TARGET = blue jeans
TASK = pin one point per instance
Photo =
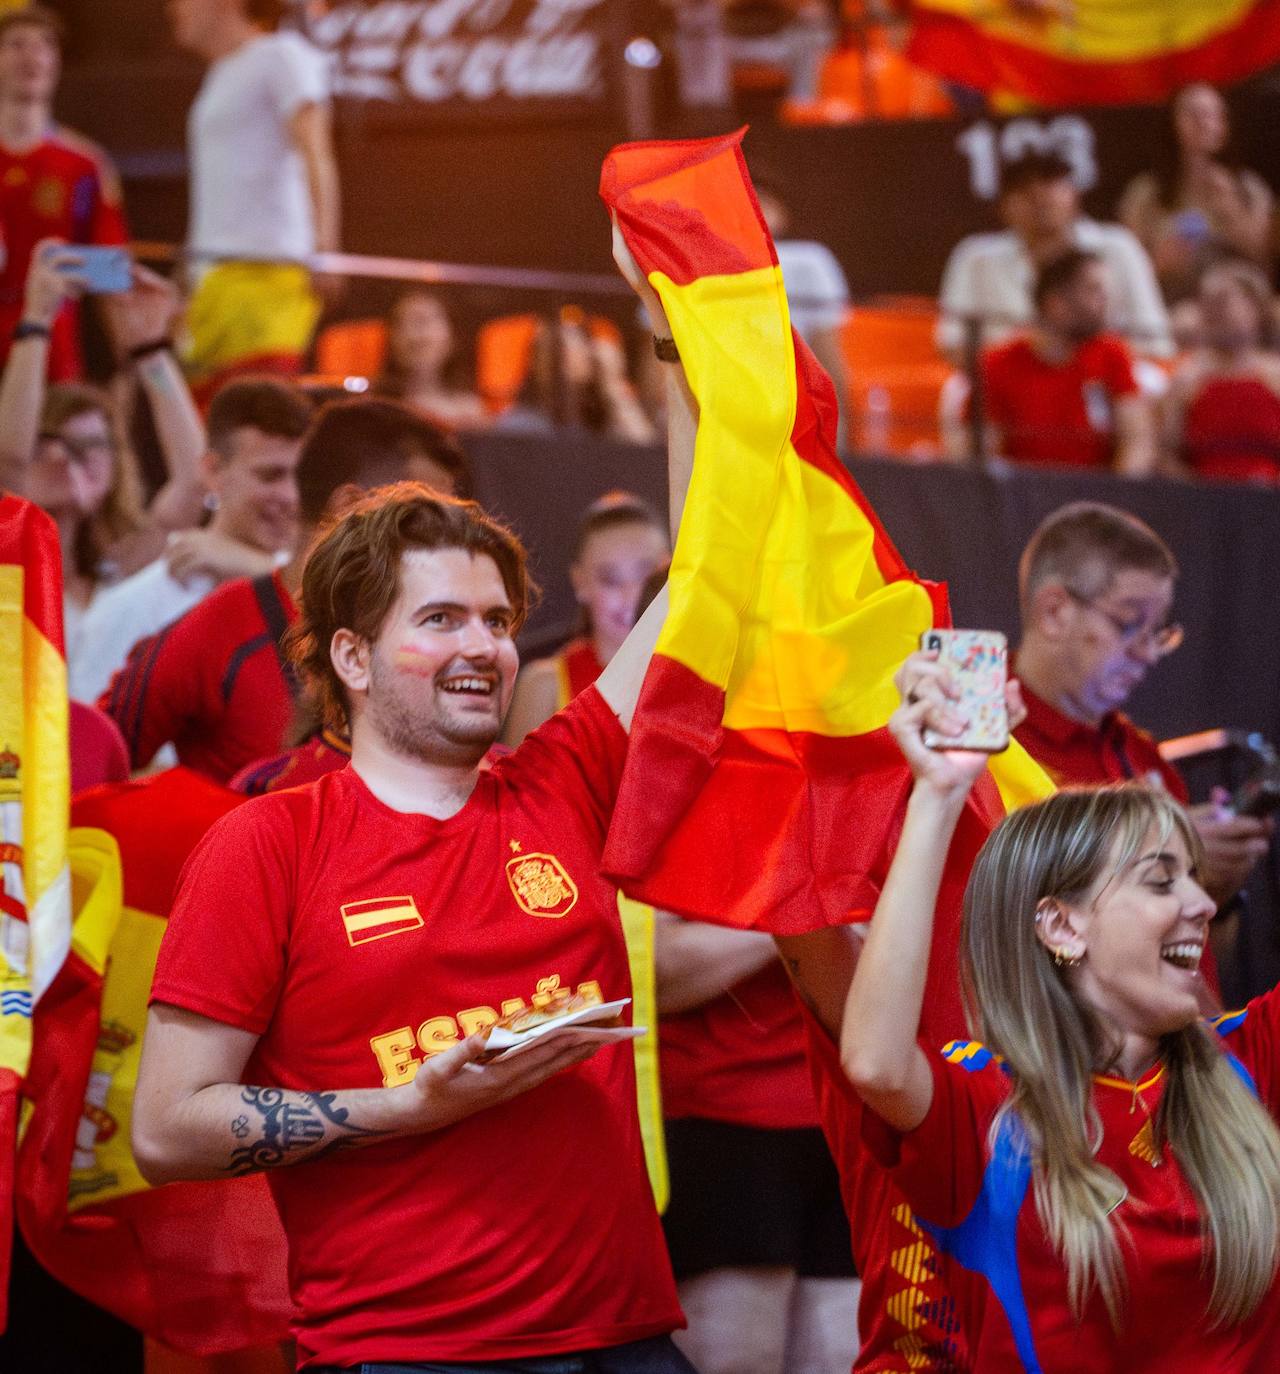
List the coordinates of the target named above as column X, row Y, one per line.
column 655, row 1356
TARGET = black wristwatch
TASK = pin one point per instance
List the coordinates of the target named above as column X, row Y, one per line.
column 30, row 329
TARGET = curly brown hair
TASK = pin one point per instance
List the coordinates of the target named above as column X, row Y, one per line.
column 352, row 575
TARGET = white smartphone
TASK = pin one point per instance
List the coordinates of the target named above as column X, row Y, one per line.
column 978, row 663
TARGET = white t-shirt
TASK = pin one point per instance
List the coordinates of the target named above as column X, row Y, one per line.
column 249, row 193
column 118, row 617
column 992, row 274
column 817, row 292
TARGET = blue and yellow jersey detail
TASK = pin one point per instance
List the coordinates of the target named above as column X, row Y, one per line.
column 971, row 1055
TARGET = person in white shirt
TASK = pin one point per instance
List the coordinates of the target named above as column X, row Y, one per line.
column 991, row 276
column 255, row 430
column 264, row 189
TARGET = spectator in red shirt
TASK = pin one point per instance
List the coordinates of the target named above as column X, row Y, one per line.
column 1222, row 412
column 497, row 1213
column 1096, row 589
column 1064, row 393
column 215, row 683
column 53, row 182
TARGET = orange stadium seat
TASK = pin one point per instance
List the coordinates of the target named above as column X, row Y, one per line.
column 353, row 348
column 896, row 376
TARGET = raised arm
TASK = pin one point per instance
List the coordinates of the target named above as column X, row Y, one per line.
column 695, row 962
column 878, row 1040
column 620, row 682
column 139, row 321
column 193, row 1118
column 52, row 280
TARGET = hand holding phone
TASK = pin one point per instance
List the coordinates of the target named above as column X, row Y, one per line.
column 977, row 662
column 102, row 271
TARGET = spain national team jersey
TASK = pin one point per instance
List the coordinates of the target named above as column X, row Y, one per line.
column 974, row 1198
column 356, row 941
column 65, row 188
column 215, row 683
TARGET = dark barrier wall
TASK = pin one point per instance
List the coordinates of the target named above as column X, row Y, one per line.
column 967, row 529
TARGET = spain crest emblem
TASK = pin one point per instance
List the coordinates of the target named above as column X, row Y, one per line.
column 540, row 885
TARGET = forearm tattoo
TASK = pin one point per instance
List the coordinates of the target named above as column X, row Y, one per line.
column 282, row 1127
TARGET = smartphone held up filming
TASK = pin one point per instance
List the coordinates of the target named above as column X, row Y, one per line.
column 105, row 271
column 977, row 661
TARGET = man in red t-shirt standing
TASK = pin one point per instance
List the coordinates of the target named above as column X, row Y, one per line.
column 337, row 950
column 1064, row 393
column 53, row 182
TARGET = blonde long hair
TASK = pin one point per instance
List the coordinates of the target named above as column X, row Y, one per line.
column 1022, row 1008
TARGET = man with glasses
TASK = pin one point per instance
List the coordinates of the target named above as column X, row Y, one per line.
column 1096, row 589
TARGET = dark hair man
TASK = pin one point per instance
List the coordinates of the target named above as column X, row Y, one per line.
column 498, row 1214
column 991, row 276
column 215, row 682
column 1064, row 392
column 254, row 436
column 1096, row 590
column 56, row 183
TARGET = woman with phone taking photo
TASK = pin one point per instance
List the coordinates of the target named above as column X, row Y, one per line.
column 1107, row 1160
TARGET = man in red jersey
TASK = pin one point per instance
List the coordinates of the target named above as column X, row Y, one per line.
column 1065, row 393
column 53, row 182
column 1096, row 591
column 497, row 1216
column 215, row 683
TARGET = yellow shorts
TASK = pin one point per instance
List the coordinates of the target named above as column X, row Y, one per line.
column 247, row 314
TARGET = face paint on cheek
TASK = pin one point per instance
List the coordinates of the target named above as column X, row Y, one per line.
column 415, row 662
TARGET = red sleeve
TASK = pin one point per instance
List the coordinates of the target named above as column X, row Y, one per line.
column 939, row 1165
column 164, row 686
column 578, row 754
column 1119, row 369
column 1253, row 1037
column 224, row 950
column 107, row 224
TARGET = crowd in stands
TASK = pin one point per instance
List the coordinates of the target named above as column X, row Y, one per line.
column 1144, row 347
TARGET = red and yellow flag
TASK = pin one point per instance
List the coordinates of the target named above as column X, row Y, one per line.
column 762, row 788
column 1094, row 52
column 198, row 1266
column 35, row 882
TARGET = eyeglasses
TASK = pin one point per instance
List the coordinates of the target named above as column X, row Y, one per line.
column 79, row 449
column 1160, row 640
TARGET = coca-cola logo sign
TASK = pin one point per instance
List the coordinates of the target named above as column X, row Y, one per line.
column 445, row 53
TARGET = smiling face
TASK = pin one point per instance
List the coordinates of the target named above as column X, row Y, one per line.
column 1142, row 930
column 609, row 576
column 436, row 683
column 257, row 488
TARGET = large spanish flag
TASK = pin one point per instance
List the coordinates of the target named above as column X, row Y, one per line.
column 1094, row 52
column 762, row 787
column 35, row 881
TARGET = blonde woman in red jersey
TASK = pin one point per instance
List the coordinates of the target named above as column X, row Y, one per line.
column 1105, row 1160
